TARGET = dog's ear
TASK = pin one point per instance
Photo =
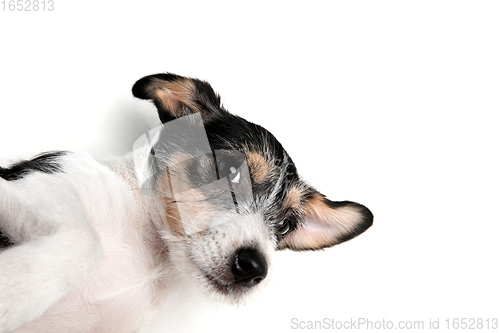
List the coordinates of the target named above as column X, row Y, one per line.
column 177, row 96
column 326, row 223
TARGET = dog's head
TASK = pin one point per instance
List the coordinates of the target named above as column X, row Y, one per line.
column 228, row 193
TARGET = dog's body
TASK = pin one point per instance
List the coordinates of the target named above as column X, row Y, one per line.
column 89, row 270
column 87, row 249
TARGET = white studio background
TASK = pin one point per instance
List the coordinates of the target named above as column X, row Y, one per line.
column 393, row 104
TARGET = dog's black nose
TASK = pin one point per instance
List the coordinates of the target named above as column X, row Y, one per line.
column 249, row 267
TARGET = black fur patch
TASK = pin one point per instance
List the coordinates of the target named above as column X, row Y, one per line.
column 46, row 163
column 141, row 87
column 229, row 132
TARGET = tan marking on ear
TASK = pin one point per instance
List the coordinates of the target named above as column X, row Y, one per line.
column 259, row 167
column 169, row 100
column 174, row 95
column 315, row 207
column 336, row 222
column 345, row 218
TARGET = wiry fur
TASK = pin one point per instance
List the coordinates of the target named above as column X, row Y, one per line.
column 86, row 249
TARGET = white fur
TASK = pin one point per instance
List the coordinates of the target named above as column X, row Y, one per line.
column 89, row 255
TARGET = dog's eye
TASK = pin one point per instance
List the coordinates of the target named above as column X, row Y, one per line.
column 228, row 167
column 284, row 228
column 288, row 224
column 234, row 176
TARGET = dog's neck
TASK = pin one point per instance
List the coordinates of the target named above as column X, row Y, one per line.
column 124, row 168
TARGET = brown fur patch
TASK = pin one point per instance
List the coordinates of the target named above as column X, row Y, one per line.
column 173, row 95
column 172, row 214
column 260, row 169
column 187, row 211
column 293, row 198
column 173, row 218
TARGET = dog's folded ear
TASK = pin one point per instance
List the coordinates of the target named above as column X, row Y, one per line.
column 326, row 223
column 177, row 96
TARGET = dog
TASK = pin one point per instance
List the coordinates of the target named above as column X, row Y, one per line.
column 207, row 197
